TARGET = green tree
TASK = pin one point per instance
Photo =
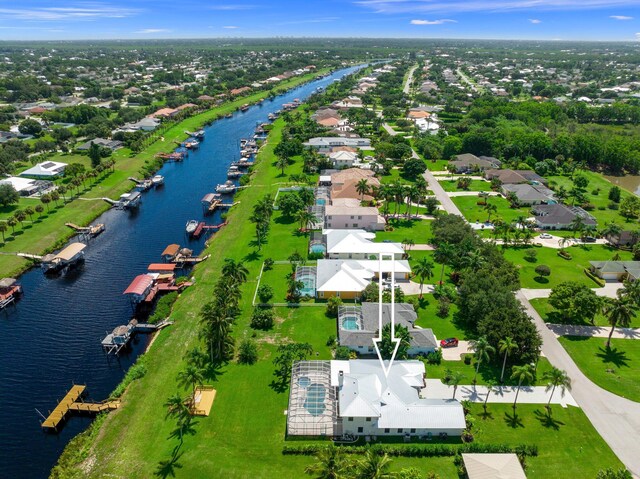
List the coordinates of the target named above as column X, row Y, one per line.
column 3, row 230
column 265, row 293
column 524, row 375
column 305, row 218
column 247, row 351
column 491, row 387
column 630, row 206
column 191, row 377
column 286, row 355
column 330, row 464
column 95, row 154
column 282, row 162
column 506, row 346
column 20, row 216
column 482, row 351
column 387, row 346
column 39, row 209
column 12, row 222
column 610, row 473
column 443, row 254
column 8, row 195
column 362, row 188
column 373, row 466
column 29, row 212
column 454, row 379
column 614, row 194
column 423, row 269
column 178, row 409
column 414, row 167
column 575, row 302
column 234, row 269
column 619, row 312
column 30, row 127
column 333, row 305
column 556, row 378
column 217, row 331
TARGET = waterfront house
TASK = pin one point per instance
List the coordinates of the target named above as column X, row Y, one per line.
column 343, row 183
column 512, row 177
column 26, row 186
column 358, row 325
column 113, row 145
column 353, row 217
column 358, row 244
column 558, row 217
column 48, row 169
column 324, row 144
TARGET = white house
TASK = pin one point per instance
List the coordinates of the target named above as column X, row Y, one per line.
column 343, row 159
column 353, row 217
column 47, row 169
column 358, row 244
column 25, row 186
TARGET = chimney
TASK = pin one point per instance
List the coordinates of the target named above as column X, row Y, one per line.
column 340, row 379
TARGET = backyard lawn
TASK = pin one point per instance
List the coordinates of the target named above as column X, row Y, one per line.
column 561, row 269
column 473, row 212
column 615, row 370
column 476, row 185
column 417, row 230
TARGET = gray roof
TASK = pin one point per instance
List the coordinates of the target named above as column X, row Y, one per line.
column 112, row 144
column 526, row 192
column 560, row 215
column 405, row 315
column 469, row 160
column 619, row 267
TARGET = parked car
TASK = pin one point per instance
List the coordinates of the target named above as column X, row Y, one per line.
column 449, row 343
column 589, row 239
column 545, row 236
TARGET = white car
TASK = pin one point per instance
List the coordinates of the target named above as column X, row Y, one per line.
column 545, row 236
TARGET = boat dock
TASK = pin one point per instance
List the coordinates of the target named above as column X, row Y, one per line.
column 144, row 184
column 202, row 227
column 121, row 335
column 72, row 402
column 92, row 230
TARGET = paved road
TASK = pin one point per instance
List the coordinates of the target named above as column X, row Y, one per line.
column 616, row 419
column 593, row 331
column 407, row 84
column 390, row 130
column 435, row 389
column 441, row 195
column 610, row 290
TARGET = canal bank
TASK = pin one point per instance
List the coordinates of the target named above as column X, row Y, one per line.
column 50, row 233
column 53, row 337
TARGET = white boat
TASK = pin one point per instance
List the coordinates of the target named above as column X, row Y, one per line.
column 191, row 226
column 227, row 187
column 130, row 200
column 234, row 172
column 157, row 180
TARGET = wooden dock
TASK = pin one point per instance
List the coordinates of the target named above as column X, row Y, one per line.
column 73, row 402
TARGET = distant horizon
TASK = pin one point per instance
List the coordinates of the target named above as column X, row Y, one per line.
column 539, row 20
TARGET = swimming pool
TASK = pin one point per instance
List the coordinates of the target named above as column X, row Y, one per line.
column 318, row 248
column 307, row 275
column 314, row 402
column 350, row 323
column 321, row 201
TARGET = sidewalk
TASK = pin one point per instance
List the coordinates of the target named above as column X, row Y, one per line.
column 593, row 331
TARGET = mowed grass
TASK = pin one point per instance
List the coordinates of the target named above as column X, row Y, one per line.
column 416, row 229
column 614, row 369
column 472, row 211
column 550, row 315
column 561, row 269
column 476, row 185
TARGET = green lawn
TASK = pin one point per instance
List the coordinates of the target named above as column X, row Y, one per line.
column 548, row 314
column 472, row 211
column 442, row 327
column 596, row 181
column 615, row 370
column 561, row 269
column 476, row 185
column 417, row 230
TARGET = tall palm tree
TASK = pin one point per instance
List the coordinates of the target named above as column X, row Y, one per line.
column 362, row 187
column 423, row 270
column 306, row 218
column 217, row 331
column 191, row 377
column 29, row 212
column 282, row 162
column 235, row 269
column 506, row 346
column 331, row 464
column 455, row 380
column 556, row 378
column 178, row 409
column 491, row 387
column 619, row 312
column 522, row 374
column 483, row 351
column 443, row 254
column 473, row 259
column 373, row 466
column 490, row 208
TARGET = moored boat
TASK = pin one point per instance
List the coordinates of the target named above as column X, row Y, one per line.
column 129, row 200
column 68, row 257
column 226, row 188
column 157, row 180
column 191, row 226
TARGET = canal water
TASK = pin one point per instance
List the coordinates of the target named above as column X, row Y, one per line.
column 628, row 182
column 52, row 338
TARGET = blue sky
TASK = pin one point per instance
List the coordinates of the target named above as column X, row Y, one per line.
column 502, row 19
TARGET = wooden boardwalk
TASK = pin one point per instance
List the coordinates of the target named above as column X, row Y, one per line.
column 73, row 402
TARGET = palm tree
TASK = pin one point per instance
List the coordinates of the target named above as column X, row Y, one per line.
column 631, row 290
column 191, row 376
column 443, row 254
column 282, row 162
column 330, row 464
column 423, row 270
column 454, row 380
column 362, row 187
column 39, row 209
column 45, row 200
column 217, row 331
column 235, row 269
column 473, row 259
column 12, row 222
column 3, row 229
column 305, row 217
column 506, row 346
column 483, row 350
column 611, row 230
column 20, row 216
column 522, row 374
column 490, row 388
column 490, row 209
column 178, row 409
column 413, row 196
column 577, row 225
column 373, row 466
column 619, row 312
column 29, row 212
column 557, row 378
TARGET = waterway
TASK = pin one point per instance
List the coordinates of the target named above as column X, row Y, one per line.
column 51, row 339
column 628, row 182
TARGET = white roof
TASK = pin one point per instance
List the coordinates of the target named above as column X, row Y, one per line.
column 48, row 168
column 393, row 399
column 353, row 274
column 351, row 210
column 493, row 466
column 325, row 179
column 343, row 156
column 18, row 183
column 358, row 241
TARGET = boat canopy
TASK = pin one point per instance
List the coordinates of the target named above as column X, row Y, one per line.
column 208, row 198
column 71, row 251
column 171, row 250
column 7, row 282
column 139, row 285
column 158, row 267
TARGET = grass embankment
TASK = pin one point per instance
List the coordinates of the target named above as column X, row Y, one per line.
column 614, row 369
column 49, row 232
column 244, row 435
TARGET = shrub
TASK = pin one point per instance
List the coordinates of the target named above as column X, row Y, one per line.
column 247, row 352
column 262, row 318
column 543, row 270
column 343, row 352
column 163, row 307
column 588, row 206
column 265, row 293
column 333, row 304
column 314, row 256
column 531, row 255
column 434, row 357
column 268, row 264
column 331, row 340
column 444, row 306
column 467, row 436
column 468, row 358
column 613, row 206
column 137, row 371
column 564, row 254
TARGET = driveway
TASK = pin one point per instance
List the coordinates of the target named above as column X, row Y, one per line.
column 435, row 389
column 593, row 331
column 455, row 354
column 616, row 419
column 413, row 288
column 609, row 290
column 441, row 195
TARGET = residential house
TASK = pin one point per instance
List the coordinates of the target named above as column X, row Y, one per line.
column 353, row 217
column 49, row 169
column 343, row 159
column 111, row 144
column 493, row 466
column 512, row 177
column 616, row 270
column 347, row 278
column 359, row 325
column 240, row 91
column 529, row 195
column 26, row 186
column 625, row 238
column 358, row 244
column 468, row 163
column 344, row 183
column 349, row 102
column 164, row 113
column 324, row 144
column 558, row 216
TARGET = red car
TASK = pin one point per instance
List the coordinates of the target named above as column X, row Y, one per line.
column 449, row 343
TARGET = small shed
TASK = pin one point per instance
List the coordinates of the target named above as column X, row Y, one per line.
column 493, row 466
column 139, row 287
column 170, row 252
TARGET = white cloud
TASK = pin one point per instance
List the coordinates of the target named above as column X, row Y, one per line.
column 638, row 36
column 86, row 11
column 432, row 22
column 153, row 30
column 231, row 27
column 621, row 17
column 535, row 21
column 312, row 20
column 454, row 6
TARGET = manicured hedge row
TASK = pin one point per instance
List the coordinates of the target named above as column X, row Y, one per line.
column 417, row 450
column 600, row 282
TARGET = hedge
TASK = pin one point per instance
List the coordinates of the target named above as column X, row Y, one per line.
column 600, row 282
column 422, row 450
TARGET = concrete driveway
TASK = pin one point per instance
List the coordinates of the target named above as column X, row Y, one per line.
column 593, row 331
column 455, row 354
column 441, row 195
